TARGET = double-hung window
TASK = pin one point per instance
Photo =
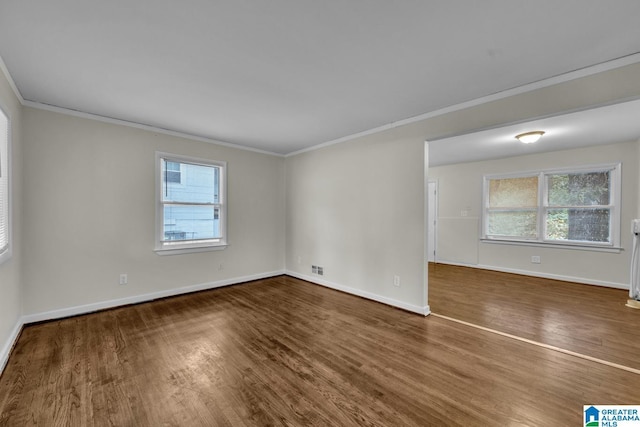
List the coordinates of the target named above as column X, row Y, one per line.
column 191, row 210
column 574, row 207
column 5, row 209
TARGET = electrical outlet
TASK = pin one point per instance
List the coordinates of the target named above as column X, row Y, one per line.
column 124, row 279
column 314, row 269
column 299, row 259
column 396, row 280
column 320, row 271
column 535, row 259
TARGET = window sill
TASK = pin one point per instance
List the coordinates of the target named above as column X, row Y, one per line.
column 578, row 247
column 189, row 249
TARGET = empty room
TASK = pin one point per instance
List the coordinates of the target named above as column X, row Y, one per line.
column 319, row 213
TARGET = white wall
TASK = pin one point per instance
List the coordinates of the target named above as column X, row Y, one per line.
column 338, row 218
column 460, row 189
column 83, row 195
column 89, row 204
column 10, row 271
column 357, row 210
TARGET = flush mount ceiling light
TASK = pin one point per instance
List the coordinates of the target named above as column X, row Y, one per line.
column 530, row 137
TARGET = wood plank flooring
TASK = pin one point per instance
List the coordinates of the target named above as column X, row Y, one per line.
column 282, row 351
column 590, row 320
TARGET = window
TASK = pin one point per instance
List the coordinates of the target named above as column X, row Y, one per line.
column 577, row 207
column 191, row 211
column 513, row 207
column 5, row 212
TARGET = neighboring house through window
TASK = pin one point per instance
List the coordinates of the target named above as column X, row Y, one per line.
column 173, row 172
column 575, row 207
column 191, row 210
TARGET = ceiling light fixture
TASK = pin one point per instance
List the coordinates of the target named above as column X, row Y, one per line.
column 530, row 137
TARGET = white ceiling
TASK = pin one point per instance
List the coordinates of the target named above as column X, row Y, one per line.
column 284, row 75
column 597, row 126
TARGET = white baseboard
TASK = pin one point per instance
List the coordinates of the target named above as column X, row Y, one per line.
column 102, row 305
column 425, row 311
column 89, row 308
column 581, row 280
column 8, row 345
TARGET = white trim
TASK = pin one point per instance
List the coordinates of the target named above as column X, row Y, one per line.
column 150, row 128
column 561, row 78
column 553, row 244
column 425, row 311
column 435, row 218
column 12, row 83
column 8, row 253
column 530, row 119
column 5, row 352
column 102, row 305
column 110, row 120
column 191, row 246
column 425, row 243
column 615, row 170
column 573, row 279
column 190, row 249
column 539, row 344
column 597, row 167
column 540, row 84
column 8, row 345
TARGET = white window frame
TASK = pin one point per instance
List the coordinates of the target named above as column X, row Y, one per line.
column 189, row 246
column 615, row 170
column 6, row 171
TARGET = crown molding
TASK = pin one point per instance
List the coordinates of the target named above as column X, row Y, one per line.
column 12, row 84
column 54, row 108
column 561, row 78
column 156, row 129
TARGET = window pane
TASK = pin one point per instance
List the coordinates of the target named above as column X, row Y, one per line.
column 513, row 224
column 198, row 183
column 191, row 222
column 172, row 176
column 173, row 166
column 513, row 192
column 579, row 189
column 172, row 172
column 583, row 225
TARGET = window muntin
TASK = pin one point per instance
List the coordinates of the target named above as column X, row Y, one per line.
column 578, row 207
column 191, row 210
column 5, row 209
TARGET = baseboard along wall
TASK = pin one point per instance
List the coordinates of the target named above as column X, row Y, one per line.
column 104, row 305
column 425, row 311
column 581, row 280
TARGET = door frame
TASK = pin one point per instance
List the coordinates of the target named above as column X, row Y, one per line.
column 432, row 218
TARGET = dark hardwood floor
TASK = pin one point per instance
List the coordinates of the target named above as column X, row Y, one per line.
column 590, row 320
column 282, row 351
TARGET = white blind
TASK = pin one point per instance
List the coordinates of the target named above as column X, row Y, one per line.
column 4, row 182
